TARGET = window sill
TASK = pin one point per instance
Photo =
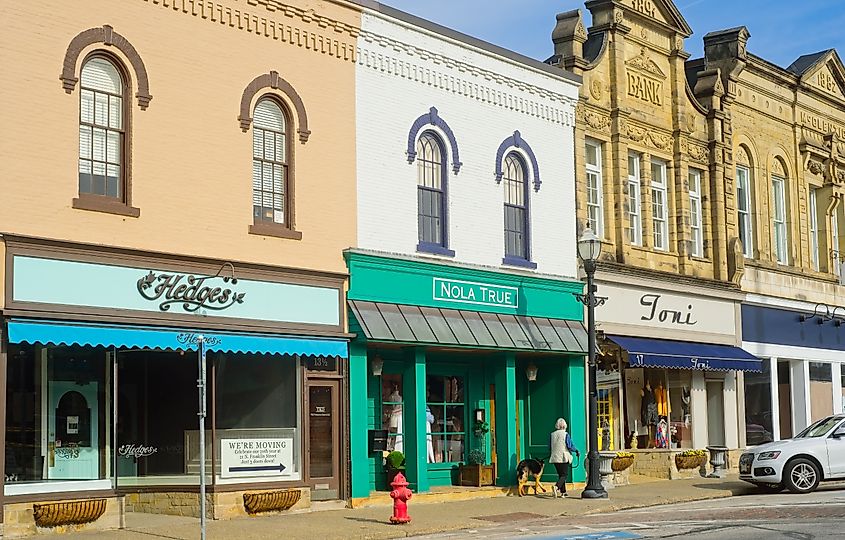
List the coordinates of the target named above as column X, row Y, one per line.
column 274, row 229
column 435, row 249
column 519, row 261
column 105, row 205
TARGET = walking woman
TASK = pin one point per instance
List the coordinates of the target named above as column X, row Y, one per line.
column 561, row 447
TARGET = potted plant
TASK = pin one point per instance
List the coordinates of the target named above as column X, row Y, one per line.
column 475, row 472
column 622, row 461
column 480, row 428
column 690, row 459
column 394, row 463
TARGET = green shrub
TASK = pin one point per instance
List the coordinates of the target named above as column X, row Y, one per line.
column 395, row 461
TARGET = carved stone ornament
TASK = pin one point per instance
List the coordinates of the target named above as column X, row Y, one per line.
column 643, row 63
column 580, row 31
column 814, row 167
column 736, row 260
column 690, row 123
column 777, row 167
column 643, row 135
column 695, row 152
column 598, row 122
column 595, row 89
column 618, row 16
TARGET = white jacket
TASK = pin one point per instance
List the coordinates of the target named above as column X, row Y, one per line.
column 557, row 444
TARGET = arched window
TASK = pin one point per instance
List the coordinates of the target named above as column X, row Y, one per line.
column 431, row 195
column 516, row 210
column 102, row 135
column 270, row 193
column 744, row 201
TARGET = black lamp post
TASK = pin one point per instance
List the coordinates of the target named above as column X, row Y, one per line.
column 589, row 249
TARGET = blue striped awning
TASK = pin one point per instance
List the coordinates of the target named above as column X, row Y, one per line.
column 145, row 337
column 663, row 353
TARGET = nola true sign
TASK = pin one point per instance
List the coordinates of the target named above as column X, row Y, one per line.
column 468, row 292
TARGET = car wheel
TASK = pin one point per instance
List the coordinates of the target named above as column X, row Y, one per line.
column 801, row 476
column 769, row 488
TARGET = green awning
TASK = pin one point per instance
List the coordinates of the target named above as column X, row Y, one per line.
column 402, row 323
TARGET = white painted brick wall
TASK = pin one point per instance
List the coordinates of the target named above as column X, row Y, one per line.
column 394, row 87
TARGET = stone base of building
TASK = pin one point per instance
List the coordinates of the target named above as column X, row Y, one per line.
column 220, row 505
column 19, row 519
column 661, row 464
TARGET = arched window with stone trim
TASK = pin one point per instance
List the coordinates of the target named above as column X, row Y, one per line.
column 270, row 193
column 515, row 180
column 745, row 200
column 102, row 129
column 780, row 212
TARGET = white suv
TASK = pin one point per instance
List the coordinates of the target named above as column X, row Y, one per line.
column 798, row 464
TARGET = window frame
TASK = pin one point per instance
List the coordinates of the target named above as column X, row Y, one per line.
column 696, row 209
column 635, row 217
column 812, row 201
column 744, row 221
column 523, row 259
column 286, row 229
column 780, row 233
column 660, row 187
column 596, row 172
column 121, row 205
column 423, row 246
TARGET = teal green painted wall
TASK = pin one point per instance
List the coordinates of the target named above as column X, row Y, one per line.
column 360, row 419
column 506, row 449
column 577, row 413
column 400, row 281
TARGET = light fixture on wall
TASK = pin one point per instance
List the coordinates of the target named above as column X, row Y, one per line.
column 377, row 365
column 531, row 372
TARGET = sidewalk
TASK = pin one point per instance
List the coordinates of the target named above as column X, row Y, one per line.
column 371, row 522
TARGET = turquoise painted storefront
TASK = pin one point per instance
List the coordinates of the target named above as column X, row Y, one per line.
column 440, row 345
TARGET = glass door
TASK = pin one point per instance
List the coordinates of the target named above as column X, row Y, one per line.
column 323, row 439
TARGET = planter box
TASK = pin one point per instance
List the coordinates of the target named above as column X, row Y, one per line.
column 689, row 462
column 620, row 464
column 476, row 475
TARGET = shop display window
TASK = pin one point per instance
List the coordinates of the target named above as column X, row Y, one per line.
column 658, row 412
column 258, row 411
column 446, row 419
column 821, row 390
column 759, row 428
column 391, row 408
column 157, row 424
column 58, row 415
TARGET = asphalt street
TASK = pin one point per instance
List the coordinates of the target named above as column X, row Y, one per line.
column 750, row 517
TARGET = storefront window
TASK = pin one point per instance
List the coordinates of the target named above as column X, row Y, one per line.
column 758, row 406
column 258, row 399
column 157, row 424
column 446, row 415
column 58, row 422
column 785, row 399
column 391, row 399
column 648, row 407
column 821, row 390
column 680, row 383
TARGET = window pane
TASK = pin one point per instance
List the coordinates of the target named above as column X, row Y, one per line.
column 101, row 75
column 269, row 116
column 115, row 112
column 113, row 147
column 58, row 420
column 392, row 407
column 85, row 142
column 592, row 155
column 280, row 148
column 269, row 146
column 258, row 143
column 86, row 106
column 99, row 144
column 84, row 176
column 101, row 109
column 112, row 181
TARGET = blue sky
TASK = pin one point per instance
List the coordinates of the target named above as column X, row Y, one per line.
column 781, row 30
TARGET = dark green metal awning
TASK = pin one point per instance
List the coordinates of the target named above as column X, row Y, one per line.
column 438, row 326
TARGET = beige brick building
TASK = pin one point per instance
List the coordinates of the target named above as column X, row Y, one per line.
column 170, row 169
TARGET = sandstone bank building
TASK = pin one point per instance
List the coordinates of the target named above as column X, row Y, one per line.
column 716, row 186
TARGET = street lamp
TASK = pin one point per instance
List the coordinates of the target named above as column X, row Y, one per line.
column 589, row 249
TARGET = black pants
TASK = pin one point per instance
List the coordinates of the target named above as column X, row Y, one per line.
column 562, row 472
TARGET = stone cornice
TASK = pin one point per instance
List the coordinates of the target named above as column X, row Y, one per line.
column 318, row 33
column 397, row 58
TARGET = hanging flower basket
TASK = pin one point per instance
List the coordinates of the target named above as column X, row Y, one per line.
column 622, row 461
column 690, row 459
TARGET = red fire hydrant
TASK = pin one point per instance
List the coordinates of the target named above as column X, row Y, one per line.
column 400, row 496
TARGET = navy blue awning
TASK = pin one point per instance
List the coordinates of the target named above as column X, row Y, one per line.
column 144, row 337
column 663, row 353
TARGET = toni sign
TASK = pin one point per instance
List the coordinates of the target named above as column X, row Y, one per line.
column 468, row 292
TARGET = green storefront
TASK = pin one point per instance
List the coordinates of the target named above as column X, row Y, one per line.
column 442, row 346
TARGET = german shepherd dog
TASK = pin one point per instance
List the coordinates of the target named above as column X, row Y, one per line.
column 527, row 468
